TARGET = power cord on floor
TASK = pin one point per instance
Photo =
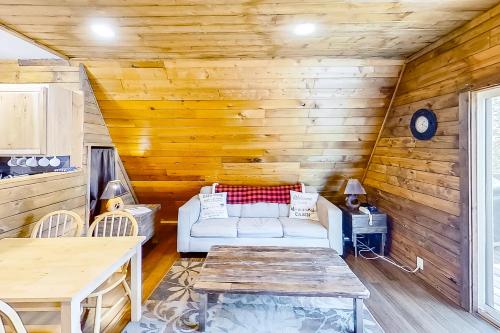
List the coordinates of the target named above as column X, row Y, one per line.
column 365, row 248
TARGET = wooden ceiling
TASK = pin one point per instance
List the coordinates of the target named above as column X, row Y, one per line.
column 238, row 28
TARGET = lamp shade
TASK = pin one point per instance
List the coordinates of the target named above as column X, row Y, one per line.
column 354, row 187
column 114, row 188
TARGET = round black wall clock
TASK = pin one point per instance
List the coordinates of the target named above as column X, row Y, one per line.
column 423, row 124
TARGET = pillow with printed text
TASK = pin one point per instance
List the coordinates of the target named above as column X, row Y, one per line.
column 303, row 206
column 213, row 206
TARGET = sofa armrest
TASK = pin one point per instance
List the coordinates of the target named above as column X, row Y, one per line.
column 330, row 216
column 188, row 215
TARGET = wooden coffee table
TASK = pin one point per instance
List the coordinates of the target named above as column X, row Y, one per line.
column 280, row 271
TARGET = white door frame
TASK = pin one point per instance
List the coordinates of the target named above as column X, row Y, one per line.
column 480, row 174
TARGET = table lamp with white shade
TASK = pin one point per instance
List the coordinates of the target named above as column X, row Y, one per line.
column 113, row 192
column 352, row 190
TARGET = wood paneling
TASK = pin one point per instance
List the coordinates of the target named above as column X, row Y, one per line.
column 182, row 124
column 238, row 28
column 95, row 133
column 418, row 182
column 23, row 202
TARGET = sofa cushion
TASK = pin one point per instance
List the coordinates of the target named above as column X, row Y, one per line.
column 216, row 228
column 260, row 209
column 302, row 228
column 284, row 210
column 259, row 227
column 234, row 210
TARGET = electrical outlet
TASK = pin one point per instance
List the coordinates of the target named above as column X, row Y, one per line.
column 420, row 263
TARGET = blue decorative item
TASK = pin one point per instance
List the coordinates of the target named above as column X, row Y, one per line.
column 423, row 124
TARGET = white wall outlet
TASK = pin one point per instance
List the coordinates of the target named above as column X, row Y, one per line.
column 420, row 263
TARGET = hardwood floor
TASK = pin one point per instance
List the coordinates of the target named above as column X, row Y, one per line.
column 157, row 260
column 400, row 302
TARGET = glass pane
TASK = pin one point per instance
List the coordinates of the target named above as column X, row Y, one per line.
column 493, row 146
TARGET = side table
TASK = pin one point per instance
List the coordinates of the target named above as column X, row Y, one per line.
column 148, row 222
column 355, row 222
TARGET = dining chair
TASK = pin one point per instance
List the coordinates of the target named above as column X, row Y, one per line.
column 111, row 224
column 114, row 224
column 11, row 315
column 61, row 223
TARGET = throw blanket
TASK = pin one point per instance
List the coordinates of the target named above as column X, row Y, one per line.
column 251, row 194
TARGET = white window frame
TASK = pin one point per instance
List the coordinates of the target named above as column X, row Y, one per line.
column 481, row 210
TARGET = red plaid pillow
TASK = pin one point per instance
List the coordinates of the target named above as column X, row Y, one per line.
column 237, row 194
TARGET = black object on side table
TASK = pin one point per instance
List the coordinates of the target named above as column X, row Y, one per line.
column 355, row 222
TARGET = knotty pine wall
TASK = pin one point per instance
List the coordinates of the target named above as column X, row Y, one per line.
column 417, row 182
column 23, row 202
column 182, row 124
column 96, row 133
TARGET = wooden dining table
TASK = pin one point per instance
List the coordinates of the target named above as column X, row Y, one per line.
column 64, row 271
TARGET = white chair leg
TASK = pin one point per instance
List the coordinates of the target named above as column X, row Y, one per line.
column 98, row 313
column 2, row 329
column 127, row 288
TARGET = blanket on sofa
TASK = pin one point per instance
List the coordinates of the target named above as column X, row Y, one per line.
column 237, row 194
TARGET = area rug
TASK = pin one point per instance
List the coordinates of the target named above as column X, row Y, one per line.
column 173, row 308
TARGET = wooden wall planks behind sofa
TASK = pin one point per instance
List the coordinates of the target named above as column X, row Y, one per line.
column 181, row 124
column 417, row 182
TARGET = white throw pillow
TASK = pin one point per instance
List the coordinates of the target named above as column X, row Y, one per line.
column 303, row 206
column 213, row 206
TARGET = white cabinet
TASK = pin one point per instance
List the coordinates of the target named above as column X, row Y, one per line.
column 35, row 119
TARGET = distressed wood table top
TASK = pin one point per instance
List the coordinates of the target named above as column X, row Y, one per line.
column 272, row 270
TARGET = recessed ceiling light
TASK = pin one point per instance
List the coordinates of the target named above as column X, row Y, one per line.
column 304, row 29
column 103, row 30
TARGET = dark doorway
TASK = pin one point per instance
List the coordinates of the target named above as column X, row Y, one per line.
column 102, row 170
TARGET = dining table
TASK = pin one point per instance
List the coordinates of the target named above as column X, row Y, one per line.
column 62, row 272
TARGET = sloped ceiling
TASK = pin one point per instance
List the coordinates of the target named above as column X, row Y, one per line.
column 238, row 28
column 264, row 106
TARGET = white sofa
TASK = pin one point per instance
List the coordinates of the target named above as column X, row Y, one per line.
column 259, row 224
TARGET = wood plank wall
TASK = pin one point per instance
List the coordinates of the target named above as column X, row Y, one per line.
column 182, row 124
column 96, row 133
column 417, row 182
column 24, row 202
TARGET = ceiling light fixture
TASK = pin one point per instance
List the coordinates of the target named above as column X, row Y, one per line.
column 103, row 30
column 304, row 29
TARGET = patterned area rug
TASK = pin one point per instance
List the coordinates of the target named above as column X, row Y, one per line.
column 173, row 308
